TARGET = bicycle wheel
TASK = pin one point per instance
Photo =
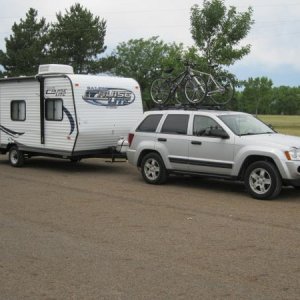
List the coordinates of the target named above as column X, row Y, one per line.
column 224, row 93
column 179, row 95
column 195, row 89
column 160, row 90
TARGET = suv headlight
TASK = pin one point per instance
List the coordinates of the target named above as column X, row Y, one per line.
column 293, row 154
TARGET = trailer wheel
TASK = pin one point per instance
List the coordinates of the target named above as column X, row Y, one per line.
column 75, row 159
column 16, row 157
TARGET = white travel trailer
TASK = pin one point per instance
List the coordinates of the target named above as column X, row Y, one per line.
column 62, row 114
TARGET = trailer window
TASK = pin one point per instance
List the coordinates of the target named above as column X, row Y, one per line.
column 18, row 110
column 54, row 109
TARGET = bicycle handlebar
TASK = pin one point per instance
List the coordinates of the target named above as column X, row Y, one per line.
column 187, row 63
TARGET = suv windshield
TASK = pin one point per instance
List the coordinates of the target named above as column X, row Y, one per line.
column 245, row 124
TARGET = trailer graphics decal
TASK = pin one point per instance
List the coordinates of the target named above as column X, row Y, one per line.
column 55, row 92
column 70, row 118
column 11, row 132
column 108, row 96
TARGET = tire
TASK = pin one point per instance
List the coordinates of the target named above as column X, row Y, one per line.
column 225, row 96
column 153, row 169
column 195, row 89
column 160, row 90
column 75, row 160
column 16, row 157
column 262, row 180
column 179, row 96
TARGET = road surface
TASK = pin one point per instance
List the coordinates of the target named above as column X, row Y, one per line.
column 95, row 230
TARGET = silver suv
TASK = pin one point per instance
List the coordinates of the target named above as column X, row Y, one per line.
column 222, row 144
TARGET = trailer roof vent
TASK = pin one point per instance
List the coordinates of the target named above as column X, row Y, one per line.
column 55, row 69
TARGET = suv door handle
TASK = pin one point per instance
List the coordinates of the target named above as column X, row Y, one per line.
column 196, row 143
column 162, row 139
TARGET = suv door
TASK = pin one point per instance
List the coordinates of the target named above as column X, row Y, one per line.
column 209, row 151
column 172, row 141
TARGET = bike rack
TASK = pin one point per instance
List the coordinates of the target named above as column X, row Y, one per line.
column 188, row 106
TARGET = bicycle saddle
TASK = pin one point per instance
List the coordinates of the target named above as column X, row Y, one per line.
column 169, row 70
column 213, row 65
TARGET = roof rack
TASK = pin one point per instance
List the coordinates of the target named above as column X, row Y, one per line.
column 188, row 106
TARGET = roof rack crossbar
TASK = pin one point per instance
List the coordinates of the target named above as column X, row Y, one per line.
column 188, row 106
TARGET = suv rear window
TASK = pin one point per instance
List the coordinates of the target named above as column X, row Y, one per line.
column 150, row 123
column 175, row 124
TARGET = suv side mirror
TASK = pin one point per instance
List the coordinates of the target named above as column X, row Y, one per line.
column 219, row 132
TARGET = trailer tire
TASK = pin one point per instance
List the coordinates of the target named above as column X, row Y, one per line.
column 16, row 157
column 75, row 159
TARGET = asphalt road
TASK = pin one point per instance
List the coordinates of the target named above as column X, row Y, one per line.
column 95, row 230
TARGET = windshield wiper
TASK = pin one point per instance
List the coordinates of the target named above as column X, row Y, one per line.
column 268, row 132
column 256, row 133
column 248, row 133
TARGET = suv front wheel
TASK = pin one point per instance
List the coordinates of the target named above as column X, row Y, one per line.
column 153, row 169
column 263, row 180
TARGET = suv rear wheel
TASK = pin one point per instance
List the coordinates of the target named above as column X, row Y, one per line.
column 263, row 180
column 153, row 169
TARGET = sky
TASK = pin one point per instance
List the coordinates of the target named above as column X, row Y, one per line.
column 274, row 38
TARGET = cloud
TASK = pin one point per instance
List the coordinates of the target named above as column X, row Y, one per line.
column 275, row 36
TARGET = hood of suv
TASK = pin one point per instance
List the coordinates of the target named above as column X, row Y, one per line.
column 275, row 140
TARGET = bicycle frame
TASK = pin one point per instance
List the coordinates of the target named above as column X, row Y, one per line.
column 219, row 89
column 179, row 79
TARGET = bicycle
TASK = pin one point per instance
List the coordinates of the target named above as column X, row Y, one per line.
column 220, row 89
column 163, row 90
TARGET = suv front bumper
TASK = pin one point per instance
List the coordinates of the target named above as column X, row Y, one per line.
column 293, row 182
column 294, row 173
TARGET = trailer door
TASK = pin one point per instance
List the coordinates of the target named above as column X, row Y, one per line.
column 59, row 119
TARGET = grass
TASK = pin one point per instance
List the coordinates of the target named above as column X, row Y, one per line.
column 283, row 124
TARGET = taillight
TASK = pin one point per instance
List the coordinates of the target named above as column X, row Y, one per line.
column 130, row 138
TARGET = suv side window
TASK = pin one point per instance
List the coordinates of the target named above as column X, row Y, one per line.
column 150, row 123
column 203, row 125
column 175, row 124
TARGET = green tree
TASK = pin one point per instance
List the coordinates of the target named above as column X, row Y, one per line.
column 104, row 65
column 285, row 100
column 77, row 39
column 26, row 48
column 145, row 60
column 257, row 95
column 218, row 30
